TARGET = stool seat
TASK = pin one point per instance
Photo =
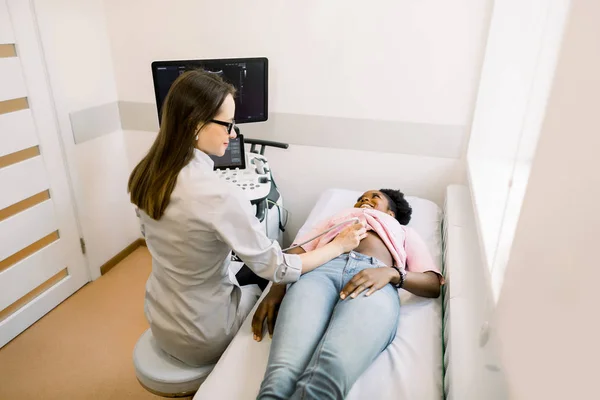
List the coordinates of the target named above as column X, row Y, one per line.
column 162, row 374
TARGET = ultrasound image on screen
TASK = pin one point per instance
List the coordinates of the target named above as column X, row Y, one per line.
column 248, row 76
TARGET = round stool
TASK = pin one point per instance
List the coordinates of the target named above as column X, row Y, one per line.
column 163, row 375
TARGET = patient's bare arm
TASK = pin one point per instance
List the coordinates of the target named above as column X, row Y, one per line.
column 424, row 284
column 268, row 308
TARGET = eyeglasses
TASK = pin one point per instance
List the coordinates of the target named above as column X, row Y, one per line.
column 229, row 125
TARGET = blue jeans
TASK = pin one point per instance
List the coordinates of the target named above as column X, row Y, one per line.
column 322, row 344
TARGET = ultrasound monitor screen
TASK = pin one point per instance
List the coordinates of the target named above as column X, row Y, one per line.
column 248, row 75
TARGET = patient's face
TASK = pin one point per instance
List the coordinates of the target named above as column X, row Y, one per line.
column 374, row 200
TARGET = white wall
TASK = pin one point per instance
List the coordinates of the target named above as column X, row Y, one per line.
column 389, row 60
column 415, row 62
column 548, row 309
column 77, row 52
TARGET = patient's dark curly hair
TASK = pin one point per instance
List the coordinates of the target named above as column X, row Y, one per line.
column 398, row 205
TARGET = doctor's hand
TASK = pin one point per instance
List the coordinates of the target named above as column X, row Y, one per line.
column 372, row 279
column 267, row 309
column 350, row 237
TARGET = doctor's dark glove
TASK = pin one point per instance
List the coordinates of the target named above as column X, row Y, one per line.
column 349, row 238
column 372, row 279
column 267, row 309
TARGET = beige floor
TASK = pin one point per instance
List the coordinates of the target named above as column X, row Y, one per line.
column 82, row 349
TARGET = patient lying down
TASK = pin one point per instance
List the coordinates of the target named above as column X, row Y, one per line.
column 334, row 322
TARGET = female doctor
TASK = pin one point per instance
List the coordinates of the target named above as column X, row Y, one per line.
column 192, row 220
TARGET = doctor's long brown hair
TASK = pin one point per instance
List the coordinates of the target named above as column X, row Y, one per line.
column 193, row 100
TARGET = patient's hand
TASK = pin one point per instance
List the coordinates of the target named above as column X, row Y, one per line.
column 268, row 309
column 371, row 278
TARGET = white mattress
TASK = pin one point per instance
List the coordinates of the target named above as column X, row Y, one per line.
column 410, row 368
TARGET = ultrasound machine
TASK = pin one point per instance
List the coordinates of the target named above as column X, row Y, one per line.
column 249, row 170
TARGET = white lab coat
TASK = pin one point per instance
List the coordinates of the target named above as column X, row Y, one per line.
column 192, row 299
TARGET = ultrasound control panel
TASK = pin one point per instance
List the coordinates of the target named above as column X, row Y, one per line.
column 249, row 171
column 254, row 179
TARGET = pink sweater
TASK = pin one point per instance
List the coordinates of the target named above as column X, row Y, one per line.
column 405, row 245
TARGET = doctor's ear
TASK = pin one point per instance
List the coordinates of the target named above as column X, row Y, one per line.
column 198, row 129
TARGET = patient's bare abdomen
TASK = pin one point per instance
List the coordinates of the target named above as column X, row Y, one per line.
column 373, row 246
